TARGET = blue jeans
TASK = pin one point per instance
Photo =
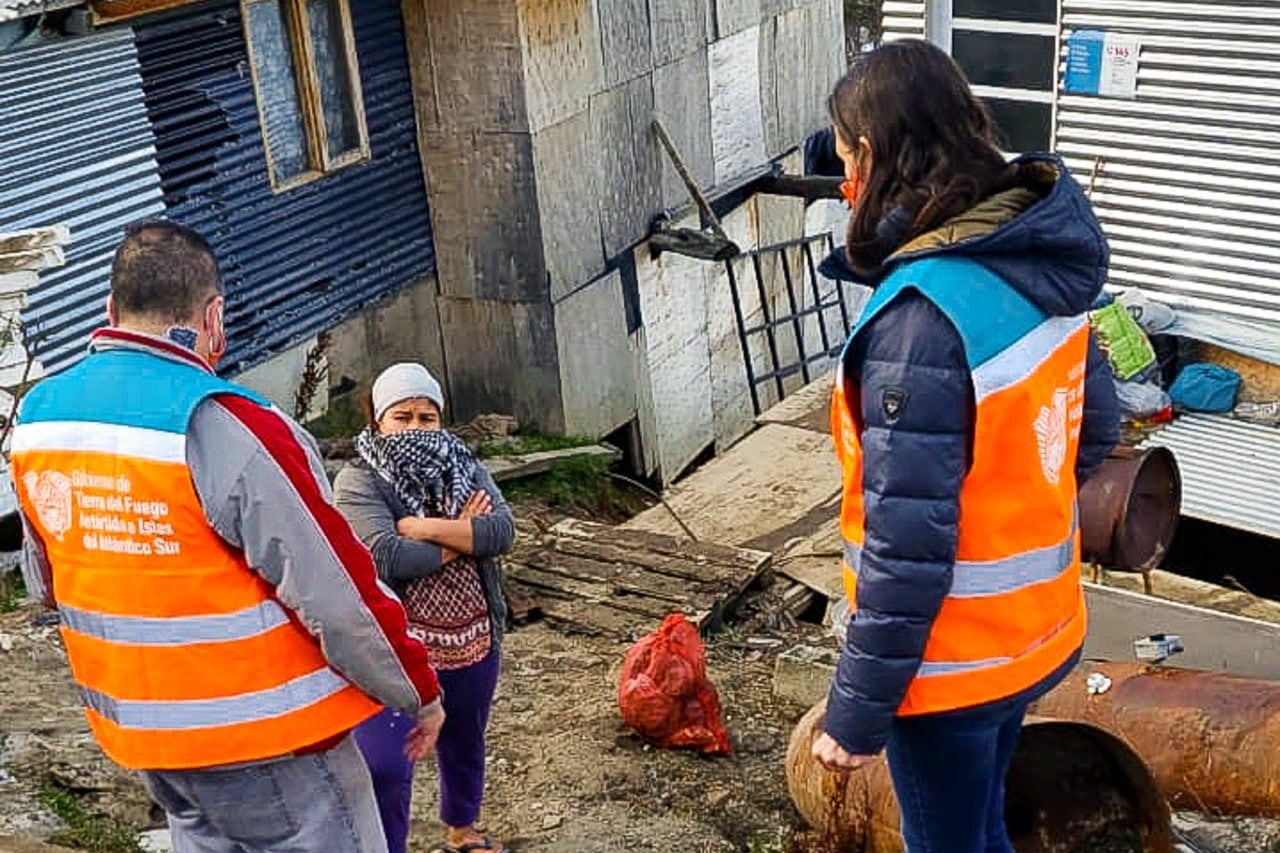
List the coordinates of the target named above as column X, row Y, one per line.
column 948, row 772
column 316, row 803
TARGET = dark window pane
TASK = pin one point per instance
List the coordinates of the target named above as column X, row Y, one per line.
column 1005, row 59
column 341, row 127
column 1031, row 11
column 277, row 88
column 1023, row 126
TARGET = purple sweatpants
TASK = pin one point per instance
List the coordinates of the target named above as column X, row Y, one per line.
column 468, row 695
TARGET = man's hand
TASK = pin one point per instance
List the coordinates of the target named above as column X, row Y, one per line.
column 832, row 755
column 422, row 737
column 479, row 504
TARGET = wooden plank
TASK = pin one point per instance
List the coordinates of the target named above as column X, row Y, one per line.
column 1212, row 640
column 808, row 408
column 622, row 580
column 597, row 619
column 564, row 587
column 505, row 468
column 111, row 11
column 774, row 477
column 636, row 600
column 820, row 574
column 677, row 569
column 626, row 539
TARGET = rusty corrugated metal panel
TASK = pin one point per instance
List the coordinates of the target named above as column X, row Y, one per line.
column 303, row 260
column 75, row 148
column 1189, row 189
column 1229, row 470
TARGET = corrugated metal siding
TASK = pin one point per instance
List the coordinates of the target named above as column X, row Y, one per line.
column 1229, row 471
column 11, row 10
column 75, row 149
column 303, row 260
column 1190, row 188
column 903, row 19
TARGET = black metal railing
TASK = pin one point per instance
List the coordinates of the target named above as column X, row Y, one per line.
column 809, row 327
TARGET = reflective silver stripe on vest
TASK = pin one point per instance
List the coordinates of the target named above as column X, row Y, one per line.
column 852, row 556
column 929, row 668
column 1022, row 359
column 163, row 715
column 177, row 630
column 996, row 577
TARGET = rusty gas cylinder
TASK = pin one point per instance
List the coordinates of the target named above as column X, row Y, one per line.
column 1071, row 788
column 1212, row 741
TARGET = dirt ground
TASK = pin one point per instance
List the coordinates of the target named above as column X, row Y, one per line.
column 564, row 772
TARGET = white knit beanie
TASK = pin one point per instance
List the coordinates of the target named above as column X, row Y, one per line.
column 404, row 381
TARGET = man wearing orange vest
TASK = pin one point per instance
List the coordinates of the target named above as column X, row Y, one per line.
column 224, row 625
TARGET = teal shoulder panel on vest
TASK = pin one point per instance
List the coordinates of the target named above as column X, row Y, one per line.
column 989, row 313
column 128, row 388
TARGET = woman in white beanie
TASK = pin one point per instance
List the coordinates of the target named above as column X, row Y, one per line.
column 436, row 524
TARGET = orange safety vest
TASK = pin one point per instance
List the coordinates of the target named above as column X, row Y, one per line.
column 1015, row 611
column 183, row 656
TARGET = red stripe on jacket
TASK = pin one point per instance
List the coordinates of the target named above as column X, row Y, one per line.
column 276, row 437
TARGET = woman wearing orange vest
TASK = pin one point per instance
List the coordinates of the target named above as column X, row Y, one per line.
column 970, row 402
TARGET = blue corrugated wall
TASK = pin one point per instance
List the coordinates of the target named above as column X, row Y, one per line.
column 301, row 261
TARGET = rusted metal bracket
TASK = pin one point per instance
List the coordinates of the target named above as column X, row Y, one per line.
column 710, row 243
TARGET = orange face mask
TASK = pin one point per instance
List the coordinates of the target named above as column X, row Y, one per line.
column 852, row 191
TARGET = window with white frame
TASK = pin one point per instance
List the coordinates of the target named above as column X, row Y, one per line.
column 303, row 59
column 1009, row 51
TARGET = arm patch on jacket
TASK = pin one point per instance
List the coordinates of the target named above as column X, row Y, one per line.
column 893, row 401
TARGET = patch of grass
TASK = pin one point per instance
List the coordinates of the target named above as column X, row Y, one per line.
column 578, row 487
column 518, row 445
column 86, row 831
column 771, row 841
column 12, row 592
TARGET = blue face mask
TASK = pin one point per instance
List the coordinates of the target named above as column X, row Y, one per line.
column 183, row 336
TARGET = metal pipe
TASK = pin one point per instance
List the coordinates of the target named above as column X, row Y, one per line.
column 1212, row 741
column 1072, row 787
column 1129, row 509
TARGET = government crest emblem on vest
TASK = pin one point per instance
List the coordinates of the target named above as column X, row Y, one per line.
column 50, row 494
column 1051, row 435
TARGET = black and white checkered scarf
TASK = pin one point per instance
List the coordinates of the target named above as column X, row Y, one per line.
column 432, row 471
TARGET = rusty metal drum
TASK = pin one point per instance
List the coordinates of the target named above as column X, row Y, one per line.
column 1129, row 509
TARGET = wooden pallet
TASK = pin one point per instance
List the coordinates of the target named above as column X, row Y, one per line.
column 598, row 579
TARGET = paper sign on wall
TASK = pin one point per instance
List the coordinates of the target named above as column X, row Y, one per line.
column 1102, row 63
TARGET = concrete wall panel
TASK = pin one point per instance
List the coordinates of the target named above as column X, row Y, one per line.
column 595, row 357
column 682, row 100
column 502, row 358
column 737, row 121
column 562, row 58
column 484, row 210
column 630, row 190
column 625, row 39
column 569, row 177
column 679, row 27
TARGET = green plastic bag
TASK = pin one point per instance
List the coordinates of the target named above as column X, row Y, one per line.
column 1126, row 344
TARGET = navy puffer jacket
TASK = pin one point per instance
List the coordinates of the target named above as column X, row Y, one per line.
column 1051, row 248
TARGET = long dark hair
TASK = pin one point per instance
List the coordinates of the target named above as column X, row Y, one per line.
column 933, row 145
